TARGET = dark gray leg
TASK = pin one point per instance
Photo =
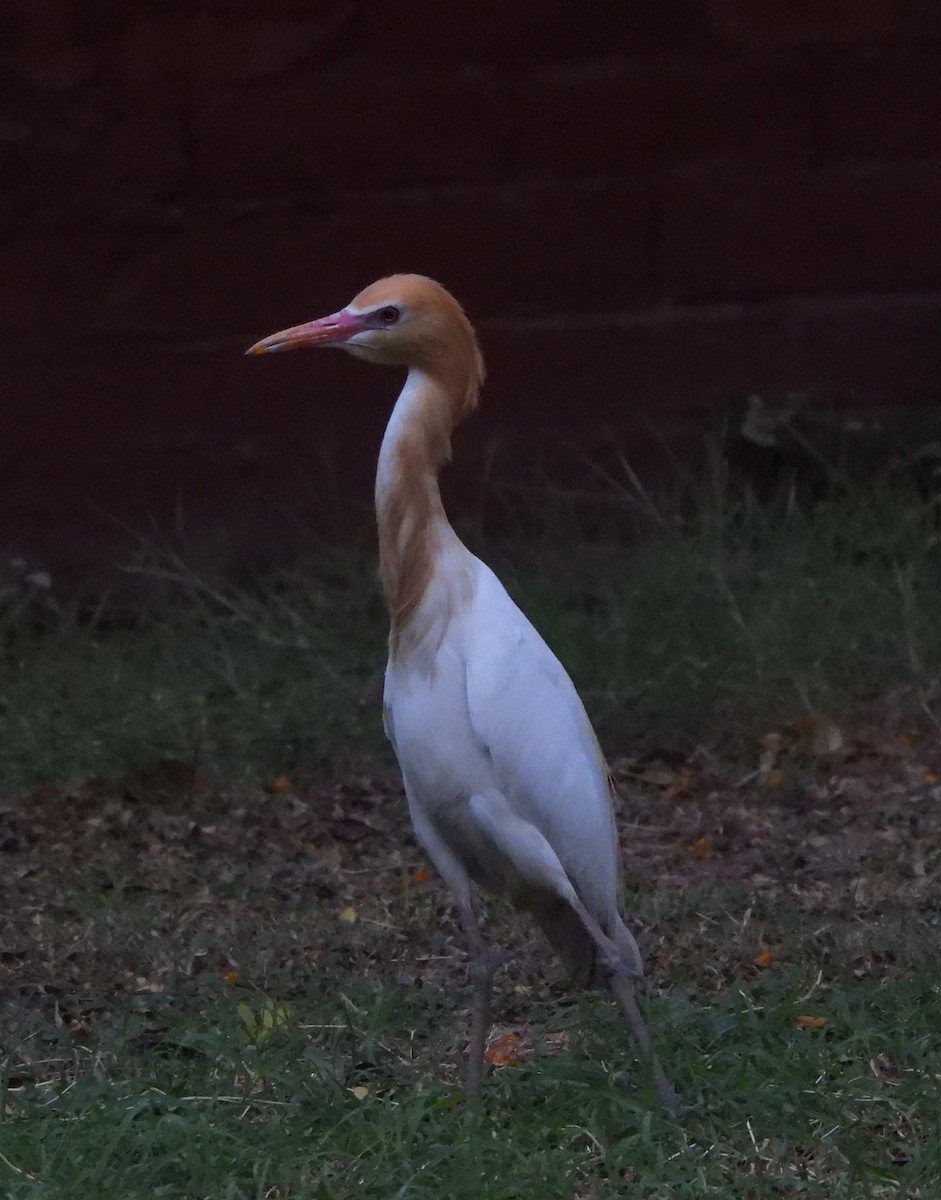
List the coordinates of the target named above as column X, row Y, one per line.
column 608, row 954
column 620, row 980
column 622, row 988
column 483, row 965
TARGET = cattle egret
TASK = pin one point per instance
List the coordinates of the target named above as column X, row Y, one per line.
column 506, row 784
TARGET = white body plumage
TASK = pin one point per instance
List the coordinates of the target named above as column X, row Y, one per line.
column 506, row 784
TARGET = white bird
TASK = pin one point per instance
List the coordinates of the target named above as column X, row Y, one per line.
column 506, row 784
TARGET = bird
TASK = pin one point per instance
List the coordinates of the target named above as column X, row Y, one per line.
column 506, row 783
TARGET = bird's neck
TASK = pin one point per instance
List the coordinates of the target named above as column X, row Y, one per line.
column 413, row 527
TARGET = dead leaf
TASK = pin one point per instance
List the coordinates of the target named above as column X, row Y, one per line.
column 884, row 1069
column 768, row 755
column 359, row 1092
column 815, row 734
column 348, row 914
column 701, row 848
column 556, row 1042
column 143, row 984
column 504, row 1050
column 763, row 958
column 681, row 782
column 281, row 783
column 658, row 775
column 826, row 736
column 808, row 1022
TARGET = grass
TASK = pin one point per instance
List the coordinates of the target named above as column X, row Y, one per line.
column 746, row 610
column 210, row 989
column 742, row 612
column 242, row 682
column 339, row 1083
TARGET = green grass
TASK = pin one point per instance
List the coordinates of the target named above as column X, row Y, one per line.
column 744, row 611
column 187, row 1092
column 736, row 614
column 209, row 991
column 240, row 683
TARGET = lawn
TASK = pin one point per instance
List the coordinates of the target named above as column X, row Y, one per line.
column 226, row 969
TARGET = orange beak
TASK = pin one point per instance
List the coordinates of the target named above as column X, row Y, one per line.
column 328, row 331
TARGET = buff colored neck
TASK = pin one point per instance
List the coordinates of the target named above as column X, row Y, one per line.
column 411, row 518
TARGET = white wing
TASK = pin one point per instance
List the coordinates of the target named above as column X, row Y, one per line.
column 527, row 716
column 495, row 745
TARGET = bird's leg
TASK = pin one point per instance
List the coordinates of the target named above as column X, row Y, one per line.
column 622, row 989
column 608, row 954
column 620, row 980
column 483, row 965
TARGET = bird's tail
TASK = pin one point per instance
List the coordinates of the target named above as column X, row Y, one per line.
column 576, row 948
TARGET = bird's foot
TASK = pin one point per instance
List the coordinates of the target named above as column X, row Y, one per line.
column 666, row 1095
column 663, row 1091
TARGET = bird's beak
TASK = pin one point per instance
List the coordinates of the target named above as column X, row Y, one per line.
column 328, row 331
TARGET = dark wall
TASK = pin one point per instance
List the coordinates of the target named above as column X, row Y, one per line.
column 648, row 209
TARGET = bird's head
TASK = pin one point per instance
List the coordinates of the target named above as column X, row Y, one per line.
column 405, row 320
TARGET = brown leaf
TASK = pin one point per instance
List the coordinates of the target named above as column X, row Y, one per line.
column 281, row 783
column 884, row 1069
column 504, row 1050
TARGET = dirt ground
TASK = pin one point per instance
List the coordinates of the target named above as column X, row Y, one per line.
column 826, row 819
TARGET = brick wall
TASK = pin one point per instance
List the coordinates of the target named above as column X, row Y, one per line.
column 648, row 210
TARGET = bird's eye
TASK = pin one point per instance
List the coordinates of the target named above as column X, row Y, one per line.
column 388, row 315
